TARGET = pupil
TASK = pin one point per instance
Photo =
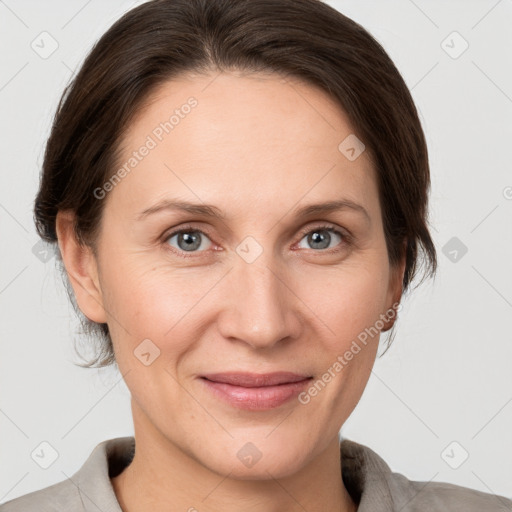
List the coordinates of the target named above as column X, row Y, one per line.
column 191, row 241
column 317, row 238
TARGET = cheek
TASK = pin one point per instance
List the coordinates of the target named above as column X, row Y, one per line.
column 156, row 301
column 345, row 300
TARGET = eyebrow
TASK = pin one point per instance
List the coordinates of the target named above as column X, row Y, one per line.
column 208, row 210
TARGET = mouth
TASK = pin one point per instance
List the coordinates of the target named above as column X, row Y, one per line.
column 255, row 392
column 255, row 380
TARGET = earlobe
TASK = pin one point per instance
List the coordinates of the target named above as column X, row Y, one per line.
column 81, row 268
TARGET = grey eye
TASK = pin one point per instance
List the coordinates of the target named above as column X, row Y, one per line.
column 189, row 240
column 320, row 238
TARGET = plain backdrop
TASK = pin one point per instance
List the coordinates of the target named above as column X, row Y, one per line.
column 438, row 405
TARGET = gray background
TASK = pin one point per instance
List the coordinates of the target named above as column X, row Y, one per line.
column 442, row 391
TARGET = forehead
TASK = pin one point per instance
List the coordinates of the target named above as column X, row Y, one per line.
column 240, row 139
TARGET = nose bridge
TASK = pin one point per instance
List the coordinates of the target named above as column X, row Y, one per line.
column 260, row 311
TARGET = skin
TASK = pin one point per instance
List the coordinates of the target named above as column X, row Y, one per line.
column 258, row 147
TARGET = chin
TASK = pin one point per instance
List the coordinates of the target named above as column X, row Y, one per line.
column 258, row 460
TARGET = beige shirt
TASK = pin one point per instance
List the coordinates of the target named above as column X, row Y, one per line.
column 366, row 476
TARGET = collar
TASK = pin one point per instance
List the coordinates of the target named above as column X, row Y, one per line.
column 367, row 477
column 107, row 460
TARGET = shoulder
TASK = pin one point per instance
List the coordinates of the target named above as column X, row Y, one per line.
column 55, row 498
column 375, row 486
column 89, row 489
column 414, row 496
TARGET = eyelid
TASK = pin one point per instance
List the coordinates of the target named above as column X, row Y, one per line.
column 327, row 226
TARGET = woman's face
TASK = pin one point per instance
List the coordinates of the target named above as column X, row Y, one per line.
column 250, row 291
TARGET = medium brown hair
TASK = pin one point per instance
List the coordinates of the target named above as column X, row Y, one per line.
column 305, row 39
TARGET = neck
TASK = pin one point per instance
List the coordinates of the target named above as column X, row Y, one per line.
column 164, row 477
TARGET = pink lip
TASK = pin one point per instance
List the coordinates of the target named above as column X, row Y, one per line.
column 253, row 391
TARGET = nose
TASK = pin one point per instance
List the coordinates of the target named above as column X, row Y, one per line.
column 261, row 309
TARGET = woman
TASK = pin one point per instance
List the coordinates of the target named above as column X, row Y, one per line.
column 239, row 194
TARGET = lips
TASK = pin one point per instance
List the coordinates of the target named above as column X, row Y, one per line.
column 254, row 380
column 253, row 391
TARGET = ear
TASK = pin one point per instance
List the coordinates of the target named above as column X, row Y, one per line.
column 395, row 290
column 81, row 268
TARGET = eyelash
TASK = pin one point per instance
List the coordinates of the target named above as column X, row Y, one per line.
column 346, row 237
